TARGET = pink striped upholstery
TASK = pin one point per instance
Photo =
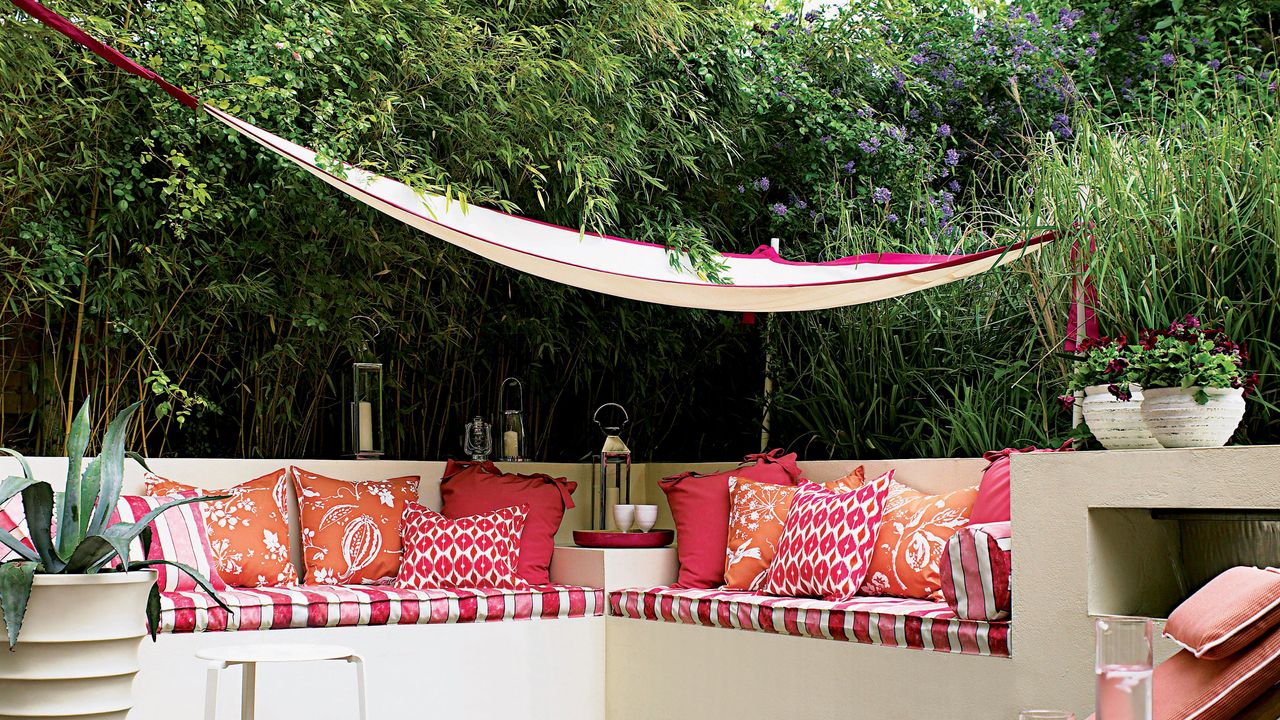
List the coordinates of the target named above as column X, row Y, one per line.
column 14, row 521
column 896, row 622
column 976, row 572
column 300, row 606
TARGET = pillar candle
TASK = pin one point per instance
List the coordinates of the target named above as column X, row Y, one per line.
column 365, row 413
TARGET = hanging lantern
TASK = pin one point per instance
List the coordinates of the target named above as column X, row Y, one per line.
column 477, row 439
column 611, row 488
column 513, row 440
column 364, row 440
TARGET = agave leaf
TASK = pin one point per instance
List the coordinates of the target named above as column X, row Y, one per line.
column 16, row 545
column 15, row 590
column 91, row 553
column 37, row 502
column 195, row 575
column 90, row 482
column 121, row 534
column 153, row 611
column 13, row 485
column 70, row 526
column 138, row 459
column 26, row 467
column 111, row 463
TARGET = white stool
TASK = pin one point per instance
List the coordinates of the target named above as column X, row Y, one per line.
column 248, row 657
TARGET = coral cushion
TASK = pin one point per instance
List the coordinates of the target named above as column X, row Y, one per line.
column 351, row 530
column 1186, row 687
column 992, row 504
column 757, row 514
column 700, row 508
column 470, row 488
column 827, row 541
column 480, row 551
column 249, row 531
column 912, row 537
column 1227, row 614
column 177, row 535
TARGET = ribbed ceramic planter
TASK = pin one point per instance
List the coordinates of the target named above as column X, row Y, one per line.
column 1116, row 423
column 1176, row 420
column 78, row 649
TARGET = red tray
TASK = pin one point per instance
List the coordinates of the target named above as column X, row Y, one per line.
column 615, row 539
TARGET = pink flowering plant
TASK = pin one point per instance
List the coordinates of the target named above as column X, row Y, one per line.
column 1187, row 355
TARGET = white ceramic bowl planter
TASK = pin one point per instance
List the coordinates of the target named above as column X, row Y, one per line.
column 1116, row 423
column 78, row 649
column 1176, row 420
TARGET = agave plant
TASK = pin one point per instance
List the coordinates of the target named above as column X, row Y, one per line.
column 83, row 541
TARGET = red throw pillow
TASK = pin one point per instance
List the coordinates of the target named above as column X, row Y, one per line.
column 1228, row 614
column 992, row 504
column 828, row 541
column 480, row 551
column 700, row 508
column 472, row 488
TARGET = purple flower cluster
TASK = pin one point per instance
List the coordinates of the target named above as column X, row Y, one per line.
column 881, row 195
column 870, row 146
column 1062, row 126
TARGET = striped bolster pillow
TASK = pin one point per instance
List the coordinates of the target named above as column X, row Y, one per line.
column 976, row 572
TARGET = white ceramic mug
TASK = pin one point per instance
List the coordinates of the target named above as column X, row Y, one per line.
column 646, row 517
column 624, row 516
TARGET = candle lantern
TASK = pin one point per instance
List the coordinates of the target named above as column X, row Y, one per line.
column 477, row 439
column 513, row 440
column 364, row 440
column 612, row 487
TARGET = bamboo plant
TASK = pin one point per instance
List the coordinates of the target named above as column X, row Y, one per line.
column 83, row 541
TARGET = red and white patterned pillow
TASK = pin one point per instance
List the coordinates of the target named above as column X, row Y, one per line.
column 827, row 541
column 976, row 571
column 478, row 551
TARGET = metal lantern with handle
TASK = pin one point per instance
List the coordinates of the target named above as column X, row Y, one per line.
column 364, row 438
column 616, row 455
column 477, row 439
column 513, row 439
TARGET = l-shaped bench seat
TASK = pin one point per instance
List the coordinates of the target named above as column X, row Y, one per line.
column 892, row 622
column 323, row 606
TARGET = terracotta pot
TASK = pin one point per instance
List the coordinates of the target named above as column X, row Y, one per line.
column 77, row 652
column 1175, row 418
column 1116, row 423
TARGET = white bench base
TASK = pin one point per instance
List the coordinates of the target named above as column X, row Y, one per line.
column 534, row 669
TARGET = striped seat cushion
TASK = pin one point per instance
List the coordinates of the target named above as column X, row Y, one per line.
column 896, row 622
column 977, row 572
column 302, row 606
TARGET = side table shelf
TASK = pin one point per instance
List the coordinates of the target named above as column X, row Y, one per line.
column 613, row 569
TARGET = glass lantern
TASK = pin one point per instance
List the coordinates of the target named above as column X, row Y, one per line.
column 613, row 487
column 513, row 438
column 477, row 439
column 365, row 438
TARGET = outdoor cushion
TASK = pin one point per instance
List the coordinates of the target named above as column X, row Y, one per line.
column 249, row 531
column 700, row 509
column 827, row 541
column 471, row 488
column 911, row 540
column 351, row 530
column 992, row 503
column 13, row 520
column 302, row 606
column 895, row 622
column 477, row 551
column 976, row 572
column 1226, row 615
column 757, row 514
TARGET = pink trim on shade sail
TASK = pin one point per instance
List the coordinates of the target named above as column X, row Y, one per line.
column 762, row 281
column 1084, row 300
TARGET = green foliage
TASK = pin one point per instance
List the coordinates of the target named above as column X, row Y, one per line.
column 84, row 540
column 1107, row 362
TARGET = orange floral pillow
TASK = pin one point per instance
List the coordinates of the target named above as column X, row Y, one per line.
column 758, row 512
column 351, row 530
column 249, row 531
column 913, row 534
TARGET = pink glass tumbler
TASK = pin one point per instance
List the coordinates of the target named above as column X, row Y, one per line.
column 1123, row 668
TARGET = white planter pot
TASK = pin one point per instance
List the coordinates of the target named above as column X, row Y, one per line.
column 77, row 652
column 1116, row 423
column 1175, row 418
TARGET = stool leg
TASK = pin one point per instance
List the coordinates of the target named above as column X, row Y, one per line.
column 211, row 690
column 361, row 695
column 248, row 690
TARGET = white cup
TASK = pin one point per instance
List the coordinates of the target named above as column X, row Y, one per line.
column 646, row 517
column 624, row 516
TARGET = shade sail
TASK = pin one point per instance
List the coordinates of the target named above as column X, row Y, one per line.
column 760, row 282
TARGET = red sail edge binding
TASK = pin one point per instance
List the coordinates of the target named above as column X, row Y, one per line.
column 110, row 54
